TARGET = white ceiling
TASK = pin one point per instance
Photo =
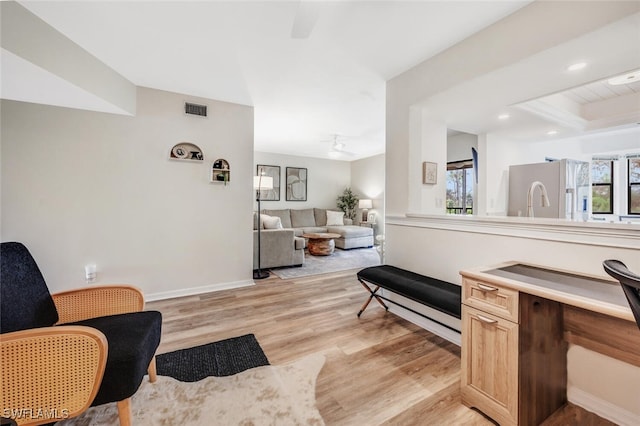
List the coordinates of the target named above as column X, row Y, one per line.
column 304, row 90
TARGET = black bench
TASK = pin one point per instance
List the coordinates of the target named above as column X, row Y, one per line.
column 440, row 295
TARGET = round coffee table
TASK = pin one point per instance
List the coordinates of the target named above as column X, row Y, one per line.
column 321, row 243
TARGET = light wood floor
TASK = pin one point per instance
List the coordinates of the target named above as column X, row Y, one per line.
column 379, row 370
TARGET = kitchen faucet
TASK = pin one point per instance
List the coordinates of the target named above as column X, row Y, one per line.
column 545, row 198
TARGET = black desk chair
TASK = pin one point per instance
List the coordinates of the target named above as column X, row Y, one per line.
column 66, row 351
column 630, row 284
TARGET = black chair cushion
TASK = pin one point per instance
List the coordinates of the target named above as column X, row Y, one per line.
column 25, row 301
column 133, row 339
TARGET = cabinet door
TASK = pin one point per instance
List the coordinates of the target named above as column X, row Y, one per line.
column 489, row 377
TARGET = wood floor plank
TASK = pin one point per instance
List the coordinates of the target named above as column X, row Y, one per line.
column 379, row 370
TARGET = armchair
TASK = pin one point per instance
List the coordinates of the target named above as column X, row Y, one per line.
column 65, row 352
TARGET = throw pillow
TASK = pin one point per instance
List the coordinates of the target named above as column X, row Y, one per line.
column 270, row 222
column 335, row 218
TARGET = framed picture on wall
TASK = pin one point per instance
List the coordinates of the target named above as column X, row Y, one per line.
column 429, row 172
column 274, row 172
column 296, row 184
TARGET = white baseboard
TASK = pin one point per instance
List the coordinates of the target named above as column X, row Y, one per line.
column 437, row 329
column 196, row 290
column 604, row 409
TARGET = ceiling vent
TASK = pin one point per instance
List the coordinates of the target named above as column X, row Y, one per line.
column 195, row 109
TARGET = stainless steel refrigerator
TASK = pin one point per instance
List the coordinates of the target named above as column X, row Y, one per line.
column 567, row 186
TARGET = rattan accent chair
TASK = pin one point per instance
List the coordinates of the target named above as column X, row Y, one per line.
column 65, row 352
column 630, row 283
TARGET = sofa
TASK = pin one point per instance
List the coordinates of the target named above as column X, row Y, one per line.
column 281, row 234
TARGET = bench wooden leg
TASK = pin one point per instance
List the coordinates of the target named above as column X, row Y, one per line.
column 371, row 296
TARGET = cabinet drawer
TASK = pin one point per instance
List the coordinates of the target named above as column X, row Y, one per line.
column 490, row 298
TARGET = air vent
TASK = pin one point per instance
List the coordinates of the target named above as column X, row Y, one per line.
column 195, row 109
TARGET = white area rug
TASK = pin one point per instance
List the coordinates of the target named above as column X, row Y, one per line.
column 269, row 395
column 340, row 260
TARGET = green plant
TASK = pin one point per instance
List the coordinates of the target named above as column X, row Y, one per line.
column 348, row 203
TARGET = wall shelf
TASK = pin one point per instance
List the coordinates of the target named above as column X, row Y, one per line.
column 220, row 171
column 186, row 151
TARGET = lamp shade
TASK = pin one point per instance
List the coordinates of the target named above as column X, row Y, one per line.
column 262, row 182
column 365, row 204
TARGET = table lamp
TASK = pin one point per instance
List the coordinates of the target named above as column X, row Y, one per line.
column 365, row 205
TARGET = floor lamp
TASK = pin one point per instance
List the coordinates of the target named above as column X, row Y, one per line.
column 260, row 183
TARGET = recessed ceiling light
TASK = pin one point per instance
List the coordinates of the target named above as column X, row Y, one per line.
column 577, row 66
column 630, row 77
column 503, row 116
column 552, row 132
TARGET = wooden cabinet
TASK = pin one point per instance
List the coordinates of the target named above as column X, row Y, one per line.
column 513, row 354
column 490, row 333
column 489, row 376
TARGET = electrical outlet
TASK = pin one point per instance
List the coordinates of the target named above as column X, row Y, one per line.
column 90, row 272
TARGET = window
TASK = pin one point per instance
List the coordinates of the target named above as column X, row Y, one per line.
column 602, row 186
column 634, row 185
column 460, row 187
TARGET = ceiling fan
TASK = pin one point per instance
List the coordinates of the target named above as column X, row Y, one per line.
column 337, row 148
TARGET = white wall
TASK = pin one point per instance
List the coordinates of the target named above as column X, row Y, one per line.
column 326, row 179
column 367, row 181
column 459, row 146
column 80, row 187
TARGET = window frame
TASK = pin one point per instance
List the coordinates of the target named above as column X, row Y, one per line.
column 462, row 165
column 630, row 185
column 601, row 184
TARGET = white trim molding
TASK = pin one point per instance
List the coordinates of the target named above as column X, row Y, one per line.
column 431, row 319
column 427, row 324
column 196, row 290
column 601, row 407
column 623, row 235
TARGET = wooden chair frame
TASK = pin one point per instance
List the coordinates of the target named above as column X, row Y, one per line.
column 73, row 305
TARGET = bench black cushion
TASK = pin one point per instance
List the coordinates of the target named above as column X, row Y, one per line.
column 437, row 294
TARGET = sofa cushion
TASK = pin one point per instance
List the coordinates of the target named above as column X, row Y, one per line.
column 348, row 231
column 335, row 218
column 314, row 229
column 284, row 215
column 321, row 216
column 270, row 222
column 302, row 218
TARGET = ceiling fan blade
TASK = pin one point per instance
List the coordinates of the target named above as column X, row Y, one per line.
column 305, row 19
column 339, row 152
